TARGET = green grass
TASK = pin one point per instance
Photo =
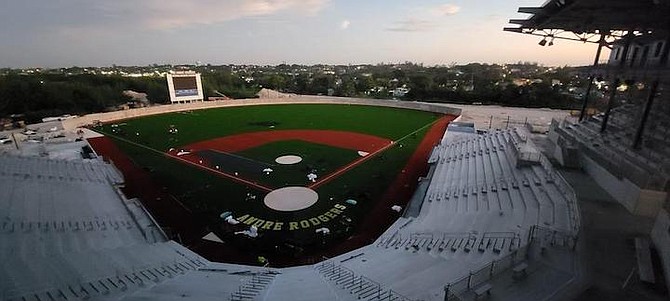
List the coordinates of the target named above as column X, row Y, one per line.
column 325, row 159
column 391, row 123
column 208, row 195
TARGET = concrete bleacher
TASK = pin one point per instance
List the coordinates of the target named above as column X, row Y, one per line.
column 63, row 170
column 480, row 175
column 638, row 178
column 653, row 158
column 68, row 233
column 489, row 196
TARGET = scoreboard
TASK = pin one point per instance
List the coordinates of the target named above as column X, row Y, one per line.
column 184, row 87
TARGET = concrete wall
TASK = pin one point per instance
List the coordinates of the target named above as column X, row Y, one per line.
column 638, row 201
column 650, row 202
column 161, row 109
column 660, row 235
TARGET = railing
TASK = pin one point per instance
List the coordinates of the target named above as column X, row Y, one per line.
column 495, row 122
column 551, row 237
column 565, row 189
column 544, row 236
column 360, row 286
column 485, row 273
column 528, row 156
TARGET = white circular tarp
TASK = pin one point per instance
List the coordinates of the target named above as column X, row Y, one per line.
column 292, row 198
column 288, row 159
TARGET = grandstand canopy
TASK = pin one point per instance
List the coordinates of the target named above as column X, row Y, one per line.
column 589, row 16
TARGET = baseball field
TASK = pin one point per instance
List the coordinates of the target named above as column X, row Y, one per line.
column 273, row 179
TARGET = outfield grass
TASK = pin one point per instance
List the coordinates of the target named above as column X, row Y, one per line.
column 208, row 195
column 391, row 123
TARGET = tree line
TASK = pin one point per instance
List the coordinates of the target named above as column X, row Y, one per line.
column 39, row 95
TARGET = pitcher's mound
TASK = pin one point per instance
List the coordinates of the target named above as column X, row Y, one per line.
column 292, row 198
column 288, row 159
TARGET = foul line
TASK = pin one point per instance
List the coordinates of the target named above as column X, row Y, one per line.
column 421, row 128
column 360, row 161
column 223, row 174
column 220, row 173
column 238, row 157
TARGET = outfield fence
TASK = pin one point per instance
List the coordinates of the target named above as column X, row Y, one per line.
column 91, row 119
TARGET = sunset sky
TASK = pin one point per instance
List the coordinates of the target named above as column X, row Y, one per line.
column 61, row 33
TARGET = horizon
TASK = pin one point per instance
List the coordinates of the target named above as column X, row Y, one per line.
column 271, row 32
column 202, row 64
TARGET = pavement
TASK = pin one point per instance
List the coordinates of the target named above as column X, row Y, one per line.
column 606, row 251
column 607, row 245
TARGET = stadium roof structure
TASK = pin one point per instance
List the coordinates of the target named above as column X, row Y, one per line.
column 606, row 23
column 586, row 18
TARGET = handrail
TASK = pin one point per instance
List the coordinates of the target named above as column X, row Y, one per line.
column 392, row 295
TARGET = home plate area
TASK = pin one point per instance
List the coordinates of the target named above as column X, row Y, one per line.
column 292, row 198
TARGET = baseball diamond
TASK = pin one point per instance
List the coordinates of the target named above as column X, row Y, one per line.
column 225, row 160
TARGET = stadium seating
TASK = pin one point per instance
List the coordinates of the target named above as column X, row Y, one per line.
column 487, row 193
column 648, row 167
column 79, row 237
column 68, row 233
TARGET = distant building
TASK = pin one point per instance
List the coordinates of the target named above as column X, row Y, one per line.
column 400, row 92
column 6, row 124
column 184, row 87
column 644, row 51
column 137, row 97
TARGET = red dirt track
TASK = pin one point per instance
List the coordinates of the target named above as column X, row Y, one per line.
column 240, row 142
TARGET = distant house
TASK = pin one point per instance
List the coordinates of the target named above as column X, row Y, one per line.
column 139, row 98
column 399, row 92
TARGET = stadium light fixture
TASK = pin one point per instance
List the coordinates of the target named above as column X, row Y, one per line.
column 551, row 42
column 543, row 42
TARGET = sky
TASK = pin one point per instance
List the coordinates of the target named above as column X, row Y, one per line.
column 63, row 33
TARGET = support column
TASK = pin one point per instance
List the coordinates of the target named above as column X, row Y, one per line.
column 610, row 103
column 624, row 54
column 585, row 102
column 645, row 115
column 665, row 53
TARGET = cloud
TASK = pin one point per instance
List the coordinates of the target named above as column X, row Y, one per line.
column 171, row 14
column 345, row 24
column 412, row 25
column 182, row 13
column 446, row 9
column 424, row 18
